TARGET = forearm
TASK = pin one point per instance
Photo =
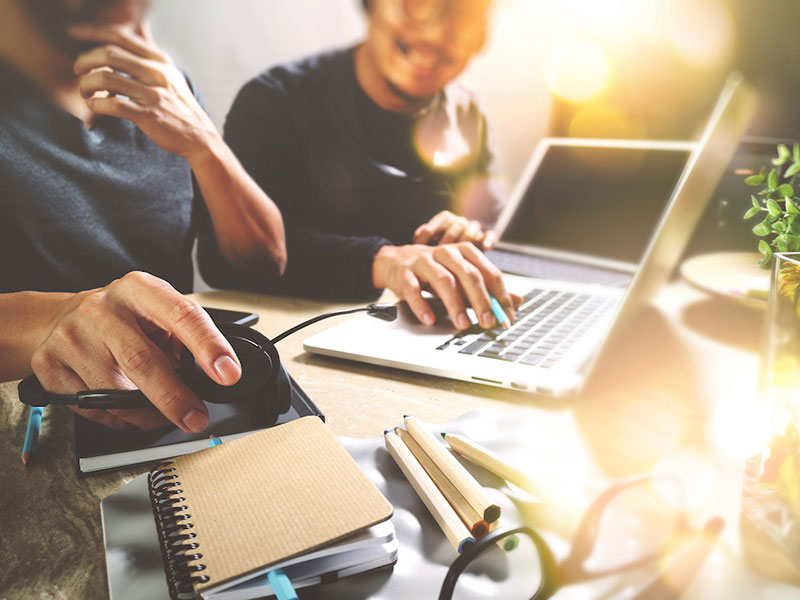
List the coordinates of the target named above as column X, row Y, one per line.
column 26, row 319
column 247, row 224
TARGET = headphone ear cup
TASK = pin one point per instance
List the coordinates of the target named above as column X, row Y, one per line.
column 284, row 390
column 260, row 369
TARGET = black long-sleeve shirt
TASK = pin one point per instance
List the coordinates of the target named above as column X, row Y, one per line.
column 348, row 176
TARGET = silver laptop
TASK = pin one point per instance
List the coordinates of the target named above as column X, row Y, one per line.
column 591, row 233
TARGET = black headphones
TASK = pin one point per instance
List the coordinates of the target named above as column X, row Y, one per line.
column 263, row 377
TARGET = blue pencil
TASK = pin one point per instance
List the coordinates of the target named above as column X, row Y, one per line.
column 32, row 433
column 502, row 318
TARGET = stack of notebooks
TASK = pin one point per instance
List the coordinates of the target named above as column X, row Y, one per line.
column 98, row 448
column 287, row 498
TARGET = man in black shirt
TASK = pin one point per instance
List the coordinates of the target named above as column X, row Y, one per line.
column 368, row 152
column 107, row 165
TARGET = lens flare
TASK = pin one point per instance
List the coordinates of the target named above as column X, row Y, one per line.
column 604, row 121
column 702, row 32
column 577, row 70
column 740, row 429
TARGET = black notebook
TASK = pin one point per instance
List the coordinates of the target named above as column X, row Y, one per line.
column 98, row 448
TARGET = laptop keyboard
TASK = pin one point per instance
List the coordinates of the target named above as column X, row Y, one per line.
column 548, row 268
column 548, row 323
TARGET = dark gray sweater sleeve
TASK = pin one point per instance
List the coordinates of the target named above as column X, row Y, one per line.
column 271, row 143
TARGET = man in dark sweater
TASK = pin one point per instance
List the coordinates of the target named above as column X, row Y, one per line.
column 108, row 166
column 369, row 153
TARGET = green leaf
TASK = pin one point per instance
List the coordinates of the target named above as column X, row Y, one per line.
column 754, row 180
column 769, row 218
column 761, row 229
column 783, row 155
column 791, row 207
column 752, row 212
column 756, row 203
column 779, row 226
column 774, row 208
column 794, row 242
column 764, row 248
column 786, row 190
column 796, row 153
column 772, row 179
column 794, row 227
column 793, row 170
column 781, row 244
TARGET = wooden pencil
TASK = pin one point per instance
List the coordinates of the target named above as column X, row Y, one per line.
column 445, row 515
column 558, row 512
column 483, row 457
column 453, row 470
column 474, row 522
column 508, row 543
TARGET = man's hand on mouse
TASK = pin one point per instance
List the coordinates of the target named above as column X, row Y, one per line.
column 124, row 336
column 459, row 274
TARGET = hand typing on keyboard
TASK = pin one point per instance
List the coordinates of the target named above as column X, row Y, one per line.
column 457, row 273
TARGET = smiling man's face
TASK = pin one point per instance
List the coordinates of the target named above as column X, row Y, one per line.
column 419, row 46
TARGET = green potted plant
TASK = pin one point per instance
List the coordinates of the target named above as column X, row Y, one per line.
column 776, row 201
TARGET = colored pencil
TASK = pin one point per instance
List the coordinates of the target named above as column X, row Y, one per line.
column 474, row 522
column 559, row 512
column 453, row 470
column 499, row 313
column 32, row 434
column 442, row 512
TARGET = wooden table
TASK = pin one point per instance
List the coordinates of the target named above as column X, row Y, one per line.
column 671, row 391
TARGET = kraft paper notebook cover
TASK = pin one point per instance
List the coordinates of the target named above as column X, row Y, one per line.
column 257, row 501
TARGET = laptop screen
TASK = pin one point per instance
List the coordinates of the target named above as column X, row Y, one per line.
column 601, row 201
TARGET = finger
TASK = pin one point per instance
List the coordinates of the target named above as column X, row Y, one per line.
column 158, row 302
column 101, row 416
column 117, row 107
column 444, row 285
column 473, row 233
column 428, row 232
column 117, row 35
column 108, row 81
column 119, row 59
column 143, row 418
column 492, row 277
column 489, row 240
column 471, row 281
column 60, row 379
column 411, row 291
column 149, row 369
column 143, row 31
column 454, row 231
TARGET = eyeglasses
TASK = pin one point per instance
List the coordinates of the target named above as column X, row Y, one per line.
column 632, row 524
column 465, row 20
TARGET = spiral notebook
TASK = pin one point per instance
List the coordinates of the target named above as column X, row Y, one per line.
column 288, row 497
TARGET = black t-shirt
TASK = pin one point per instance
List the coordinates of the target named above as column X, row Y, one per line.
column 81, row 207
column 348, row 176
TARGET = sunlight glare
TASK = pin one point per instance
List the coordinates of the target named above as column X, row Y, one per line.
column 577, row 70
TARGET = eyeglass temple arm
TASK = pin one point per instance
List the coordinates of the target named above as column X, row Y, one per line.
column 679, row 569
column 550, row 573
column 589, row 526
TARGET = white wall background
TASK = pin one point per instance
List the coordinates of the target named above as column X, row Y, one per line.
column 223, row 43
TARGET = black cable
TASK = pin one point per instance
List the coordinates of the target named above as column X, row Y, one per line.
column 385, row 312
